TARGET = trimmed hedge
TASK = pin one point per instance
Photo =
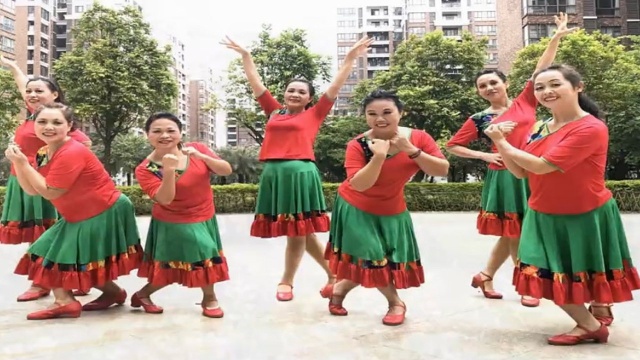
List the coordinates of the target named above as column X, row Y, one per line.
column 241, row 198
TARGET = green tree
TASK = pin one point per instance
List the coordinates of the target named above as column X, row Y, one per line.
column 128, row 151
column 278, row 59
column 610, row 74
column 116, row 75
column 433, row 76
column 10, row 103
column 244, row 162
column 331, row 145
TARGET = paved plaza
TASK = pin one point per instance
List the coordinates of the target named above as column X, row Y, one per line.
column 446, row 318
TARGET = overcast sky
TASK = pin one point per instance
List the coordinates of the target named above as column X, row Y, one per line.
column 201, row 24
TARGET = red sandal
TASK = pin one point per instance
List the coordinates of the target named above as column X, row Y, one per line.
column 478, row 282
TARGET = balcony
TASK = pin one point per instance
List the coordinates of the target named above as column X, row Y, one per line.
column 446, row 4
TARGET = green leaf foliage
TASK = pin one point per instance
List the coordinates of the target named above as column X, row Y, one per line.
column 610, row 71
column 278, row 59
column 331, row 145
column 10, row 103
column 116, row 75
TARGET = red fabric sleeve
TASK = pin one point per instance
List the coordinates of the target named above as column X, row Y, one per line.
column 354, row 159
column 527, row 96
column 322, row 108
column 577, row 146
column 426, row 143
column 149, row 183
column 268, row 103
column 65, row 167
column 204, row 149
column 79, row 136
column 467, row 133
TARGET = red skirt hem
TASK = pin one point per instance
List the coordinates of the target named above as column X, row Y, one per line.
column 158, row 274
column 489, row 223
column 83, row 280
column 407, row 275
column 13, row 234
column 580, row 289
column 294, row 225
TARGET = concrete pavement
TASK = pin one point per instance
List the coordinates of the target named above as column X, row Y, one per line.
column 446, row 318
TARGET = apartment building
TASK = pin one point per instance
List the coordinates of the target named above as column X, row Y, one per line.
column 238, row 135
column 68, row 12
column 393, row 21
column 35, row 36
column 525, row 22
column 202, row 127
column 8, row 29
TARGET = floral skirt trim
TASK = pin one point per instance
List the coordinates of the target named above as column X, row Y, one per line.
column 17, row 232
column 372, row 274
column 508, row 225
column 269, row 226
column 192, row 275
column 50, row 275
column 613, row 286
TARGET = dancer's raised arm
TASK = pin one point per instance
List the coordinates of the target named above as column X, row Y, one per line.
column 249, row 66
column 549, row 54
column 18, row 76
column 360, row 48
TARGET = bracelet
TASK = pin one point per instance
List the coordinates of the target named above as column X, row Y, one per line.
column 415, row 155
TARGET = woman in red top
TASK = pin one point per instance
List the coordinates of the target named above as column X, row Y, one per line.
column 573, row 248
column 183, row 243
column 26, row 217
column 290, row 197
column 96, row 240
column 504, row 197
column 372, row 241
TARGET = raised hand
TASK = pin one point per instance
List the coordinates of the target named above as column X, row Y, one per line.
column 6, row 61
column 230, row 44
column 360, row 47
column 561, row 22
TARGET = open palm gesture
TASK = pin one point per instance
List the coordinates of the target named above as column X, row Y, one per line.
column 230, row 44
column 360, row 47
column 561, row 22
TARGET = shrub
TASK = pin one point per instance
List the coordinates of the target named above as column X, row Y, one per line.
column 241, row 198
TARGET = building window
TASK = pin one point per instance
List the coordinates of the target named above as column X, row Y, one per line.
column 44, row 71
column 551, row 7
column 29, row 69
column 347, row 37
column 31, row 9
column 79, row 9
column 492, row 44
column 7, row 44
column 451, row 31
column 343, row 50
column 346, row 23
column 535, row 32
column 44, row 28
column 416, row 2
column 417, row 16
column 44, row 14
column 484, row 15
column 485, row 30
column 608, row 7
column 346, row 11
column 614, row 31
column 417, row 31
